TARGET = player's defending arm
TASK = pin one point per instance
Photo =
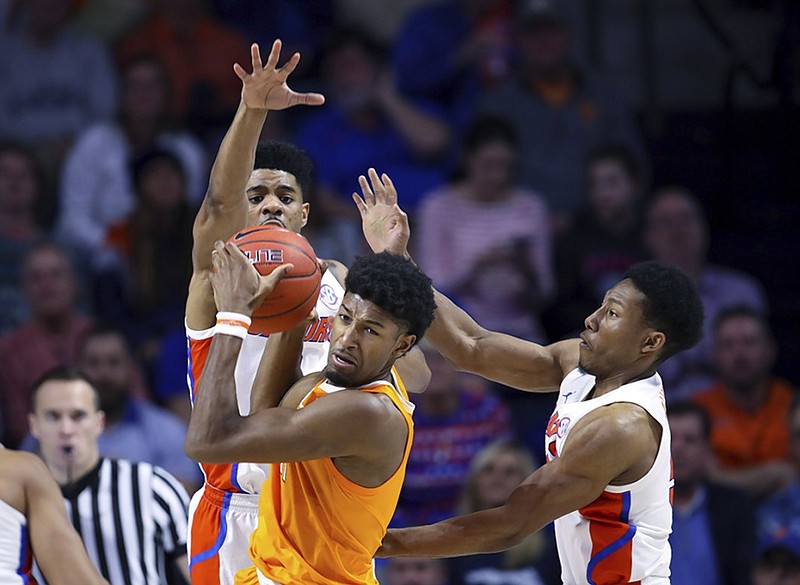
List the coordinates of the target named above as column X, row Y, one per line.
column 467, row 346
column 224, row 208
column 614, row 444
column 55, row 543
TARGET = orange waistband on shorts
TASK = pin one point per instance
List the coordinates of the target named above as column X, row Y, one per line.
column 217, row 497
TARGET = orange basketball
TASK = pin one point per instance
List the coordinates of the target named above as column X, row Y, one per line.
column 296, row 294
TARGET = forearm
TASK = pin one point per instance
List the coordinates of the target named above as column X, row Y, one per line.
column 234, row 162
column 279, row 368
column 426, row 135
column 216, row 413
column 482, row 532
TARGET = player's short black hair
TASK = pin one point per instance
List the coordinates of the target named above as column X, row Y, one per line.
column 687, row 407
column 671, row 304
column 282, row 156
column 397, row 286
column 62, row 374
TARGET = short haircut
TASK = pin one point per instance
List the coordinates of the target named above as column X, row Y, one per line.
column 620, row 154
column 688, row 408
column 282, row 156
column 142, row 164
column 743, row 311
column 397, row 286
column 104, row 330
column 488, row 129
column 63, row 374
column 671, row 304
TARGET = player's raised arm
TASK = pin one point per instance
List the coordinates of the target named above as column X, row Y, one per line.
column 468, row 346
column 224, row 208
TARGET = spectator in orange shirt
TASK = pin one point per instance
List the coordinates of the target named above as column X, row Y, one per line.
column 197, row 51
column 749, row 406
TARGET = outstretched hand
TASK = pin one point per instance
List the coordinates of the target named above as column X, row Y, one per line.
column 266, row 89
column 237, row 285
column 384, row 224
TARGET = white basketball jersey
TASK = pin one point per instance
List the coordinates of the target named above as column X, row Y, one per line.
column 15, row 552
column 621, row 537
column 248, row 477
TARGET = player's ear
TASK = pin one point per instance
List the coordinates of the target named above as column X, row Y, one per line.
column 654, row 341
column 305, row 208
column 404, row 344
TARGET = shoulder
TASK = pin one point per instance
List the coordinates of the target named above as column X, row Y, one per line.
column 337, row 269
column 618, row 423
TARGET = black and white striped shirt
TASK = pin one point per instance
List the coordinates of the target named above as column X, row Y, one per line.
column 132, row 518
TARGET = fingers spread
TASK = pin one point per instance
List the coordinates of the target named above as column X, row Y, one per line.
column 274, row 54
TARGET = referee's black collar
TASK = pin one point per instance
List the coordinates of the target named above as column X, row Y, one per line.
column 71, row 490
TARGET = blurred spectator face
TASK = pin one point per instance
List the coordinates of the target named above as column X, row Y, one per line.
column 743, row 352
column 65, row 416
column 49, row 282
column 411, row 571
column 498, row 478
column 611, row 190
column 161, row 185
column 352, row 75
column 777, row 566
column 544, row 47
column 690, row 449
column 19, row 187
column 490, row 168
column 144, row 91
column 441, row 398
column 106, row 361
column 676, row 230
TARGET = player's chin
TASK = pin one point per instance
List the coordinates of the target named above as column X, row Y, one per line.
column 338, row 378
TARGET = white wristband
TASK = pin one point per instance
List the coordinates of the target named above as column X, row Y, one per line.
column 235, row 324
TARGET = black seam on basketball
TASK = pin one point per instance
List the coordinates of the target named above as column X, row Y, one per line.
column 298, row 305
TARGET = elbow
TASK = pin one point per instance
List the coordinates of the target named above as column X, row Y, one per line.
column 201, row 447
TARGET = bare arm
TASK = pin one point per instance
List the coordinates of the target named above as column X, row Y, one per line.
column 427, row 135
column 468, row 346
column 610, row 444
column 224, row 208
column 55, row 543
column 182, row 562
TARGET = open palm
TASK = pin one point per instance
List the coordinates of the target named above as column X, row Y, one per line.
column 266, row 88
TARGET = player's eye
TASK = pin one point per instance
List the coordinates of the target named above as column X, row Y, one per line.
column 256, row 199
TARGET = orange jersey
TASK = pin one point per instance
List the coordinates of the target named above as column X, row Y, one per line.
column 317, row 526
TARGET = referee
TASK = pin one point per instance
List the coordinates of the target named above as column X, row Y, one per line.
column 132, row 517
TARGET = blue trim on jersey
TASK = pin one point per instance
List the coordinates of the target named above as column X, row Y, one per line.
column 189, row 374
column 603, row 554
column 234, row 475
column 223, row 532
column 23, row 554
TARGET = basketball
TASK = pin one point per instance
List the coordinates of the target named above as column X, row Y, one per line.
column 296, row 294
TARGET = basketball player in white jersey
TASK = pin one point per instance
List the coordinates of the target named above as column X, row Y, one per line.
column 608, row 482
column 252, row 185
column 34, row 524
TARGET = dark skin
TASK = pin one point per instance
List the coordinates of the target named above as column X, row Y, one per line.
column 613, row 445
column 239, row 196
column 363, row 433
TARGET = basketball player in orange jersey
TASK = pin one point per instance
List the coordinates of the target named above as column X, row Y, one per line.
column 340, row 439
column 34, row 523
column 607, row 483
column 251, row 186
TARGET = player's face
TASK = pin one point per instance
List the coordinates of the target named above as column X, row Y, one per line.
column 66, row 417
column 275, row 198
column 365, row 342
column 617, row 340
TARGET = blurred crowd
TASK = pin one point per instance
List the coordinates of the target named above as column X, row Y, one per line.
column 532, row 183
